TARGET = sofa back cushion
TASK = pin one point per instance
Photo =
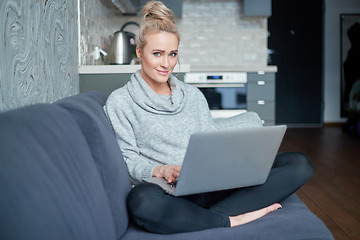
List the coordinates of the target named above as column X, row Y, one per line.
column 87, row 110
column 49, row 185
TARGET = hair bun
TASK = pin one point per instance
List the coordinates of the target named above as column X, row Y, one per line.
column 155, row 10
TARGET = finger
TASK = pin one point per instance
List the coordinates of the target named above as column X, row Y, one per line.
column 176, row 173
column 170, row 180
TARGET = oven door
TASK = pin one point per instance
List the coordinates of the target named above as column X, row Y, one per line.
column 224, row 99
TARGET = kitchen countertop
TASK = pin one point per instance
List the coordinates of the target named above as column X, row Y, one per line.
column 233, row 69
column 184, row 68
column 108, row 69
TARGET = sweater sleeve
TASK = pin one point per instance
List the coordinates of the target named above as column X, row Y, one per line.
column 139, row 167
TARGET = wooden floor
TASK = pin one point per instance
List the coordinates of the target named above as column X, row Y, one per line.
column 333, row 193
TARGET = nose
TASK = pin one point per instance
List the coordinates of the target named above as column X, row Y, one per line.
column 165, row 62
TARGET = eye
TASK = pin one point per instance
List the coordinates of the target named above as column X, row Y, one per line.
column 156, row 54
column 173, row 54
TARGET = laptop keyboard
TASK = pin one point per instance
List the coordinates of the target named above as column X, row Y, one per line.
column 172, row 184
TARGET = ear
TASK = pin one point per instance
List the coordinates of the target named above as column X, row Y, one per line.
column 138, row 52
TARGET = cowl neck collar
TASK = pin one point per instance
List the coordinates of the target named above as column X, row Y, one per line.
column 144, row 96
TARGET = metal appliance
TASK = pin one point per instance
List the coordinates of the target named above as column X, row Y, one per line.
column 122, row 47
column 225, row 92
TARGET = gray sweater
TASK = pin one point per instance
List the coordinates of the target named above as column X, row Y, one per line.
column 154, row 129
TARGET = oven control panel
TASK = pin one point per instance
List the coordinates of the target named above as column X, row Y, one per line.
column 216, row 77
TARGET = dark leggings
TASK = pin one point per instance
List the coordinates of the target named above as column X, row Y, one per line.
column 152, row 208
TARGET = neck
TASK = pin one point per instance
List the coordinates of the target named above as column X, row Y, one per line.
column 159, row 88
column 162, row 89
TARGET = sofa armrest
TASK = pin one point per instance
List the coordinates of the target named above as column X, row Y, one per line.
column 243, row 120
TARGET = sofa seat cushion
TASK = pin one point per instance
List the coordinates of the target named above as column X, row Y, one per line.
column 242, row 120
column 49, row 185
column 87, row 111
column 293, row 221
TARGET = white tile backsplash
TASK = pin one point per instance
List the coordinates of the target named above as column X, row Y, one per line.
column 213, row 33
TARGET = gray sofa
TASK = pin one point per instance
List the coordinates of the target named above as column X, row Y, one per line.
column 62, row 176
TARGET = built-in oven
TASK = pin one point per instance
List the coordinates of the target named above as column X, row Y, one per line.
column 225, row 92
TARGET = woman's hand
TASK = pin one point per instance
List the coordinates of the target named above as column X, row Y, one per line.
column 169, row 172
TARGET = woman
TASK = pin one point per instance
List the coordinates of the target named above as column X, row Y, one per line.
column 153, row 117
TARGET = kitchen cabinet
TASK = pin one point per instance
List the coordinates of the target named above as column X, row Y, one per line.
column 107, row 78
column 103, row 82
column 261, row 95
column 256, row 8
column 134, row 7
column 175, row 6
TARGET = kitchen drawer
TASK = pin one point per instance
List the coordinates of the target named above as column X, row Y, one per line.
column 254, row 77
column 266, row 110
column 265, row 90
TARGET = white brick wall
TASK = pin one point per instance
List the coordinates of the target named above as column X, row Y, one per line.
column 213, row 33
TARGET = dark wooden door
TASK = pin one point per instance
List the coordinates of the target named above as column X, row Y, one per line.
column 296, row 30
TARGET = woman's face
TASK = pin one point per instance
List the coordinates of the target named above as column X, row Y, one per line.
column 158, row 59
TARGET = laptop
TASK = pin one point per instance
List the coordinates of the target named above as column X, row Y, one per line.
column 225, row 159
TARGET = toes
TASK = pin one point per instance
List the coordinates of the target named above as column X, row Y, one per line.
column 274, row 207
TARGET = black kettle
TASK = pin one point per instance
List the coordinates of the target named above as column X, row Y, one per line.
column 122, row 47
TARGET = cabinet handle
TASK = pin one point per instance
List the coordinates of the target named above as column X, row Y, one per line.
column 261, row 102
column 260, row 83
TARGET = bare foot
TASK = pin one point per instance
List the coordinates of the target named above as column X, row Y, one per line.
column 251, row 216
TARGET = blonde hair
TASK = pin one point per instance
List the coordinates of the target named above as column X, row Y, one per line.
column 156, row 18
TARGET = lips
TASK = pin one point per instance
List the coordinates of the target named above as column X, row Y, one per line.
column 164, row 73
